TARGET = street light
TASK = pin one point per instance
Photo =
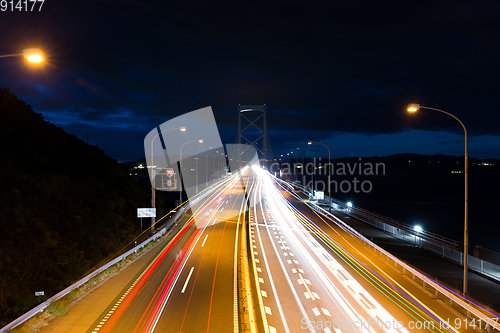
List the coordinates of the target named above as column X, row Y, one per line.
column 32, row 55
column 314, row 170
column 180, row 171
column 415, row 108
column 329, row 172
column 213, row 161
column 298, row 152
column 153, row 183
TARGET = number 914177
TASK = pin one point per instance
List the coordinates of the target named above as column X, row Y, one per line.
column 21, row 5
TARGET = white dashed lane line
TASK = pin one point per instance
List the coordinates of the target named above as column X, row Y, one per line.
column 187, row 281
column 204, row 240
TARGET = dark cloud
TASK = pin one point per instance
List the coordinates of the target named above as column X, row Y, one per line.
column 348, row 67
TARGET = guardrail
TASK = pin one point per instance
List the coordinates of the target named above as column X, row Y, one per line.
column 397, row 228
column 471, row 308
column 186, row 206
column 438, row 244
column 78, row 284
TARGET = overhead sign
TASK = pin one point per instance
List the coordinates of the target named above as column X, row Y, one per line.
column 319, row 195
column 39, row 293
column 169, row 172
column 226, row 168
column 146, row 212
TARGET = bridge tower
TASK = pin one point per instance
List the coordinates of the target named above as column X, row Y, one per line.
column 252, row 129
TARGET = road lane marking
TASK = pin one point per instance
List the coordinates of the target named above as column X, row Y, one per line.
column 316, row 311
column 187, row 280
column 204, row 240
column 326, row 312
column 306, row 282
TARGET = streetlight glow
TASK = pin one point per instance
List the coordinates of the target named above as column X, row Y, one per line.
column 413, row 107
column 33, row 55
column 418, row 228
column 182, row 129
column 200, row 141
column 309, row 142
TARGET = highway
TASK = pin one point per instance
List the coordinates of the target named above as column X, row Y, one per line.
column 190, row 286
column 312, row 275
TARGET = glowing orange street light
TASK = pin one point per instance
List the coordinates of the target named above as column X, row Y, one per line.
column 465, row 290
column 413, row 107
column 32, row 55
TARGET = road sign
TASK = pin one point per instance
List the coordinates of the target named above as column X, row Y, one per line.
column 39, row 293
column 146, row 212
column 226, row 168
column 169, row 172
column 319, row 195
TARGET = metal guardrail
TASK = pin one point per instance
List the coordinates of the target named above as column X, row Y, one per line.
column 77, row 284
column 430, row 241
column 380, row 221
column 187, row 205
column 490, row 318
column 470, row 307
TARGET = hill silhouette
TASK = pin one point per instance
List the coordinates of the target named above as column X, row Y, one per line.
column 64, row 206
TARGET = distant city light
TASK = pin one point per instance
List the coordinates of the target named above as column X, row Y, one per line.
column 349, row 204
column 418, row 228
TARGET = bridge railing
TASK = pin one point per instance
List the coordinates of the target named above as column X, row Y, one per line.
column 186, row 206
column 398, row 229
column 489, row 318
column 443, row 246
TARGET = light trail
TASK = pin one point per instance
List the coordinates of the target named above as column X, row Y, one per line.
column 167, row 286
column 407, row 302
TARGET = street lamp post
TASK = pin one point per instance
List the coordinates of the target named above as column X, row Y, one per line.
column 314, row 170
column 415, row 108
column 329, row 172
column 302, row 167
column 180, row 170
column 153, row 182
column 213, row 162
column 196, row 158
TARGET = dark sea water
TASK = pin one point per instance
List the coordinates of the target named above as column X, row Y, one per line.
column 435, row 201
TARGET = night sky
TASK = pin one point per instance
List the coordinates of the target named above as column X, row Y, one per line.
column 341, row 73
